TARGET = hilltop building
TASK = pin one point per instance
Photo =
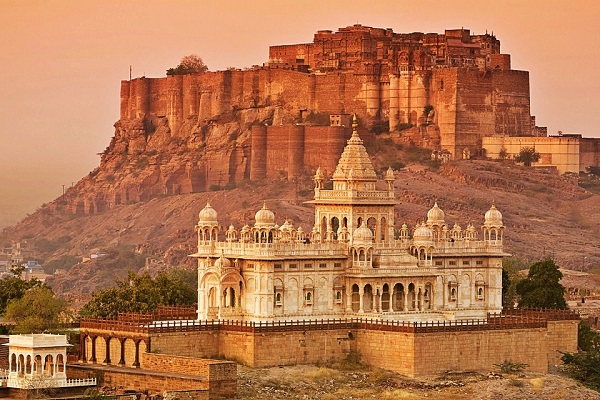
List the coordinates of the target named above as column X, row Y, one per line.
column 353, row 262
column 447, row 92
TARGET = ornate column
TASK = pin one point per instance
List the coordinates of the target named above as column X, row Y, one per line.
column 107, row 359
column 349, row 300
column 136, row 362
column 83, row 347
column 93, row 359
column 361, row 292
column 122, row 359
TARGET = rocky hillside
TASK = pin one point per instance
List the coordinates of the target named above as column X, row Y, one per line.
column 545, row 215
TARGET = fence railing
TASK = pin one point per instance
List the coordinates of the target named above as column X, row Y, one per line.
column 509, row 319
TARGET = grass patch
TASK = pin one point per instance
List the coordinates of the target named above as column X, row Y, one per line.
column 516, row 383
column 321, row 375
column 351, row 362
column 537, row 383
column 398, row 394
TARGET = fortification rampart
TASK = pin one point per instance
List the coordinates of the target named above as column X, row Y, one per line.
column 531, row 337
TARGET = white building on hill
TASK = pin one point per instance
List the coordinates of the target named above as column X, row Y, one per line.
column 354, row 261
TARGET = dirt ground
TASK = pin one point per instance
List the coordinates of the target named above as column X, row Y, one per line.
column 309, row 382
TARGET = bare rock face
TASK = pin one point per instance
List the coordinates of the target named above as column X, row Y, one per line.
column 146, row 159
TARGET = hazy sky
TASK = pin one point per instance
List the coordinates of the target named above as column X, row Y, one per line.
column 61, row 63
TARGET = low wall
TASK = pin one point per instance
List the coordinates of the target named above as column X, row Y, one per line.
column 301, row 347
column 202, row 344
column 394, row 351
column 137, row 379
column 562, row 337
column 220, row 375
column 533, row 337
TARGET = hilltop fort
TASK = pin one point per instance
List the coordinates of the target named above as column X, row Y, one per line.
column 188, row 133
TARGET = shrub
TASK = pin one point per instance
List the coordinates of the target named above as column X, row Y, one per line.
column 380, row 127
column 403, row 126
column 318, row 119
column 509, row 367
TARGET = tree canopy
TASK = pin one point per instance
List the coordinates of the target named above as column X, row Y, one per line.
column 142, row 293
column 13, row 287
column 542, row 288
column 585, row 365
column 191, row 64
column 527, row 156
column 37, row 311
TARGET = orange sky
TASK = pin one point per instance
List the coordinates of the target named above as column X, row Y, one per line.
column 62, row 62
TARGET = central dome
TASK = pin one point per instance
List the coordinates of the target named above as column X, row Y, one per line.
column 354, row 163
column 435, row 216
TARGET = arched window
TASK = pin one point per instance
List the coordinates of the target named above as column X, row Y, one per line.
column 385, row 298
column 13, row 362
column 335, row 226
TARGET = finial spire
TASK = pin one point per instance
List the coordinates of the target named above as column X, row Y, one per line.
column 355, row 139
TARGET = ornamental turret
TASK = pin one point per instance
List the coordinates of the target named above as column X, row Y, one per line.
column 493, row 228
column 207, row 226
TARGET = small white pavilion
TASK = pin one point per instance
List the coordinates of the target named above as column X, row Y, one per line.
column 39, row 361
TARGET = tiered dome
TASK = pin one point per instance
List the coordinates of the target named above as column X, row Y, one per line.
column 264, row 217
column 435, row 216
column 286, row 227
column 493, row 217
column 207, row 216
column 355, row 160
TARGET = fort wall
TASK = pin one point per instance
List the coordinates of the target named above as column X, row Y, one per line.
column 292, row 150
column 563, row 152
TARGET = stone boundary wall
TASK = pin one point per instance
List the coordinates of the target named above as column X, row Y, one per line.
column 137, row 379
column 562, row 337
column 202, row 344
column 301, row 347
column 424, row 354
column 220, row 375
column 534, row 337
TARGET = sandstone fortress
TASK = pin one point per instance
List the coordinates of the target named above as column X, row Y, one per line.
column 189, row 133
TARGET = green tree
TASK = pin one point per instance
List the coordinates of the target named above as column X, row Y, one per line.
column 191, row 64
column 585, row 366
column 13, row 287
column 587, row 338
column 37, row 311
column 142, row 293
column 542, row 287
column 527, row 156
